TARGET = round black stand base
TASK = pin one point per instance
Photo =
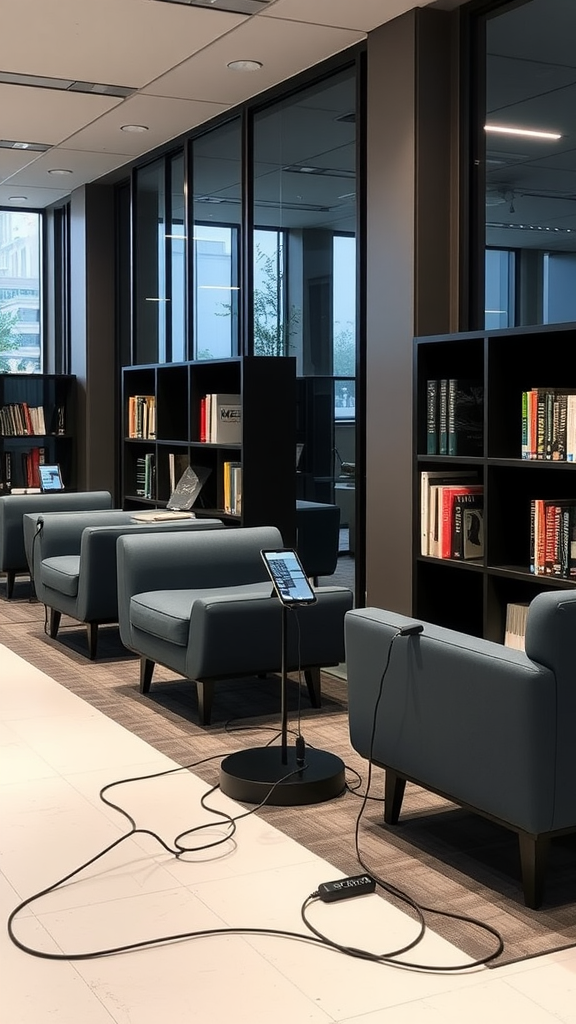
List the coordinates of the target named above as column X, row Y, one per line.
column 249, row 775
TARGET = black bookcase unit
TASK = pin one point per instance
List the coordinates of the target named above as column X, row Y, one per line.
column 37, row 424
column 473, row 595
column 265, row 452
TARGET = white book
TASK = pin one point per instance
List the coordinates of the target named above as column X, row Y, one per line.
column 571, row 428
column 226, row 419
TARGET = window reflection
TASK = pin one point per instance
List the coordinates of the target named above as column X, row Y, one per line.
column 530, row 210
column 177, row 260
column 150, row 259
column 216, row 178
column 20, row 324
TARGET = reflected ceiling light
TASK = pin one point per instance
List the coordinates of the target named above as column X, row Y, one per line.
column 244, row 65
column 220, row 287
column 529, row 133
column 60, row 170
column 134, row 128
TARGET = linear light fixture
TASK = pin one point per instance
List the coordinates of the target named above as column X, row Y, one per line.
column 528, row 133
column 32, row 147
column 65, row 84
column 232, row 6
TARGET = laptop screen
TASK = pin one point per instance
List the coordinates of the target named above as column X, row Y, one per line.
column 50, row 478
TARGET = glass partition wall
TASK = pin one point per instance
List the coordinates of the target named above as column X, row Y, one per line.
column 526, row 152
column 244, row 241
column 304, row 275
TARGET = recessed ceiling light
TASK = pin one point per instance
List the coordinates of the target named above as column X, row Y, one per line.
column 525, row 132
column 60, row 170
column 134, row 128
column 244, row 65
column 17, row 199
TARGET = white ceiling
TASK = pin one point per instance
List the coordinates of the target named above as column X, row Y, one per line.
column 172, row 55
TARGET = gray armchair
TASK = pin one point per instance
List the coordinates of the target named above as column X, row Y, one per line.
column 74, row 561
column 201, row 604
column 488, row 727
column 13, row 507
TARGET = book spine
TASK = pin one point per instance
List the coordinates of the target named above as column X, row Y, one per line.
column 432, row 417
column 443, row 418
column 452, row 441
column 525, row 445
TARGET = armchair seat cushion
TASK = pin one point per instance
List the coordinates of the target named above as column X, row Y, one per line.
column 166, row 614
column 61, row 573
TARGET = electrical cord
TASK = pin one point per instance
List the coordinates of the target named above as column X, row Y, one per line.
column 419, row 909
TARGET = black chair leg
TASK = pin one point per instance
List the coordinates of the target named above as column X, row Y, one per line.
column 54, row 623
column 394, row 788
column 533, row 857
column 92, row 629
column 313, row 682
column 146, row 670
column 205, row 692
column 10, row 577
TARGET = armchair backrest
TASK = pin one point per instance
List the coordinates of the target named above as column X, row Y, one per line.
column 13, row 507
column 191, row 561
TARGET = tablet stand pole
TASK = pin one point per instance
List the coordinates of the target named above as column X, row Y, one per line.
column 272, row 774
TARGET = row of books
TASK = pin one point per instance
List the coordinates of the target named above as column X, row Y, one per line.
column 21, row 419
column 553, row 538
column 515, row 628
column 146, row 475
column 454, row 416
column 451, row 515
column 233, row 487
column 142, row 416
column 549, row 424
column 24, row 472
column 221, row 419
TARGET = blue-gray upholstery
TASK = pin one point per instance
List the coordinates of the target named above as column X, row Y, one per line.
column 201, row 604
column 317, row 537
column 74, row 562
column 487, row 726
column 13, row 558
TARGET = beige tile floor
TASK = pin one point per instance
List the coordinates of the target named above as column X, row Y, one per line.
column 57, row 752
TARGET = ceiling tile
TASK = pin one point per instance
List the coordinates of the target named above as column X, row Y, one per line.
column 284, row 47
column 117, row 42
column 48, row 115
column 165, row 119
column 364, row 15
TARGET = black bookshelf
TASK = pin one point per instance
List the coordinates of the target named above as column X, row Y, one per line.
column 266, row 451
column 472, row 596
column 51, row 436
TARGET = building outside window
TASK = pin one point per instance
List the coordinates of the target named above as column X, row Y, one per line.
column 20, row 292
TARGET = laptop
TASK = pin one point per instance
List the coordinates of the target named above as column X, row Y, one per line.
column 50, row 478
column 181, row 500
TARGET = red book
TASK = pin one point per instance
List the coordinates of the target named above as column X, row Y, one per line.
column 448, row 496
column 203, row 419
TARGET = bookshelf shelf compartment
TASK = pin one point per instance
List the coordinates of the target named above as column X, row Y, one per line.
column 37, row 422
column 508, row 362
column 266, row 452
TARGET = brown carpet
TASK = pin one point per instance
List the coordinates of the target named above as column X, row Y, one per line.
column 441, row 855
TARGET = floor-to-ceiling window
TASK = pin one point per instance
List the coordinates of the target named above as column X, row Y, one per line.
column 217, row 218
column 20, row 291
column 304, row 272
column 529, row 160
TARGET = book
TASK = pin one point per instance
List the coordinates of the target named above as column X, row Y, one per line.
column 473, row 533
column 443, row 417
column 432, row 417
column 428, row 511
column 225, row 419
column 447, row 495
column 515, row 628
column 462, row 502
column 465, row 417
column 232, row 481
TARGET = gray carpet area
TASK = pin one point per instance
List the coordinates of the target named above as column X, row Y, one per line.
column 442, row 856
